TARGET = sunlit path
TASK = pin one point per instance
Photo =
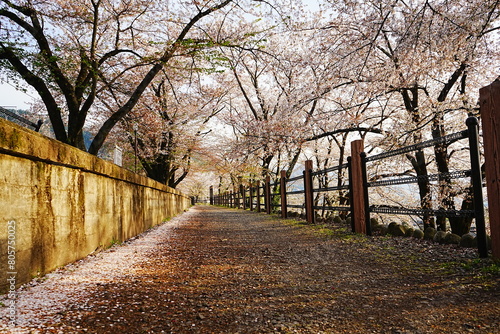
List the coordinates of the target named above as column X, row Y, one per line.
column 215, row 270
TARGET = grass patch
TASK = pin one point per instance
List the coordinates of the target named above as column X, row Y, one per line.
column 481, row 268
column 327, row 231
column 492, row 269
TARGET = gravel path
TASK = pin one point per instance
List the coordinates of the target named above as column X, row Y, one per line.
column 215, row 270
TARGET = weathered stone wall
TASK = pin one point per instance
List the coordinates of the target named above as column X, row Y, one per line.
column 58, row 204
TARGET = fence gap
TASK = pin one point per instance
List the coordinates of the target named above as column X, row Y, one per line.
column 366, row 200
column 243, row 196
column 251, row 195
column 267, row 194
column 257, row 187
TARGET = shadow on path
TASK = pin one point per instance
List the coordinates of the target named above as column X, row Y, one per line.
column 227, row 271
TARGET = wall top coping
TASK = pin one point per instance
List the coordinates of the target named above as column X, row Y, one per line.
column 22, row 142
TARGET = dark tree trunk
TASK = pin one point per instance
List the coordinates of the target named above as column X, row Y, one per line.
column 461, row 225
column 420, row 167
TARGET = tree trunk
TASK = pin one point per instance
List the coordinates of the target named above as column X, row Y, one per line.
column 461, row 225
column 420, row 167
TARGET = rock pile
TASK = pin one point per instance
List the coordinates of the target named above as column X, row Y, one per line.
column 402, row 230
column 441, row 237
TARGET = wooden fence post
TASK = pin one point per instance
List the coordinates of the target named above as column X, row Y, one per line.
column 351, row 201
column 257, row 187
column 267, row 194
column 284, row 213
column 251, row 196
column 358, row 195
column 308, row 192
column 477, row 185
column 489, row 99
column 366, row 201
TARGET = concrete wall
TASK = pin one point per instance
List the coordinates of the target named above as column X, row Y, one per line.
column 58, row 204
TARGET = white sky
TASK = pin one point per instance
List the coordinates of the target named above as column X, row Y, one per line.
column 12, row 98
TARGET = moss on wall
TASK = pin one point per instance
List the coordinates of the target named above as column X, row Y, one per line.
column 69, row 203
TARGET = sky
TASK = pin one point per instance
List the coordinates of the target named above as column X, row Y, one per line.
column 11, row 98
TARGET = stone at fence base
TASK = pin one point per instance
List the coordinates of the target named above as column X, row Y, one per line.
column 337, row 220
column 377, row 228
column 418, row 234
column 348, row 221
column 439, row 237
column 383, row 230
column 452, row 239
column 429, row 233
column 468, row 241
column 396, row 230
column 374, row 223
column 409, row 232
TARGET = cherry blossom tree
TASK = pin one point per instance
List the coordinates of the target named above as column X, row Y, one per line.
column 426, row 56
column 171, row 120
column 71, row 53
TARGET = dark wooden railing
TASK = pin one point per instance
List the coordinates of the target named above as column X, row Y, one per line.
column 258, row 195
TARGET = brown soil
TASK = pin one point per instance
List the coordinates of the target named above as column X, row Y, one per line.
column 229, row 271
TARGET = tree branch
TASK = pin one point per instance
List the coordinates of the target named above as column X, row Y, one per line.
column 354, row 129
column 148, row 78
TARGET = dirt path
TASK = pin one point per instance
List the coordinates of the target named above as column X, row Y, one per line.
column 227, row 271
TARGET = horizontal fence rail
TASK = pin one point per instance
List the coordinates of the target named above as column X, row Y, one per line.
column 448, row 139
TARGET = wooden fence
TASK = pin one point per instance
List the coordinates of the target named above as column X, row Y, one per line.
column 259, row 196
column 358, row 185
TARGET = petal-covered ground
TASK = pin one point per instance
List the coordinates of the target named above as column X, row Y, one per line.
column 217, row 270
